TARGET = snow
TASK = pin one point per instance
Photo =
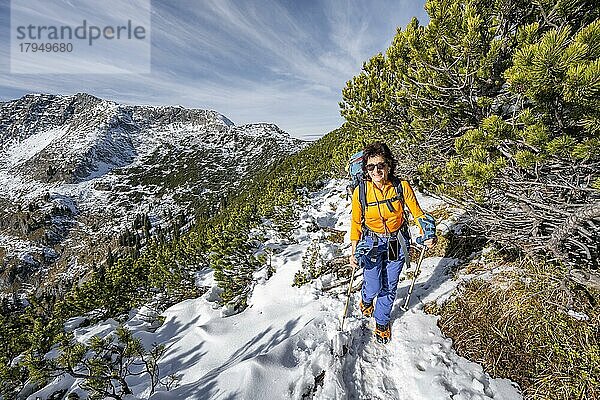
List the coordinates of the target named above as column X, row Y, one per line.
column 578, row 316
column 32, row 145
column 16, row 246
column 287, row 343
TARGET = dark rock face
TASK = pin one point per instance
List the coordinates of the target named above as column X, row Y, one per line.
column 76, row 171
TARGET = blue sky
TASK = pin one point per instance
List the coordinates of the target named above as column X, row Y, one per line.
column 283, row 62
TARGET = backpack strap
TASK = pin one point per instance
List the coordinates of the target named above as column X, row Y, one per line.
column 397, row 183
column 362, row 198
column 404, row 232
column 399, row 189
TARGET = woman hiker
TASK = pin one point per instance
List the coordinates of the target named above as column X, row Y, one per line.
column 376, row 234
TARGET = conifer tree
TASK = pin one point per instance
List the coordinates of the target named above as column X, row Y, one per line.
column 494, row 105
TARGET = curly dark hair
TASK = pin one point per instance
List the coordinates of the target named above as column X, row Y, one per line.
column 379, row 149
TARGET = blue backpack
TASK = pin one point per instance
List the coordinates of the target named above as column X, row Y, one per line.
column 355, row 172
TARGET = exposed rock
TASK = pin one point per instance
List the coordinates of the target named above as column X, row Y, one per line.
column 77, row 171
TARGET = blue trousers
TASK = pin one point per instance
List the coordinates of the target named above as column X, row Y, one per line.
column 380, row 276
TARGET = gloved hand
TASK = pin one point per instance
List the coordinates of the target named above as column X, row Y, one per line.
column 427, row 224
column 428, row 242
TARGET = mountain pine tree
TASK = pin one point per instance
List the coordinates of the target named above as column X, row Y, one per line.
column 494, row 105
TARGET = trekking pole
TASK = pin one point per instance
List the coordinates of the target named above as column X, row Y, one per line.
column 348, row 296
column 412, row 284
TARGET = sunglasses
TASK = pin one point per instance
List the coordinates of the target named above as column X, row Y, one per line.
column 381, row 166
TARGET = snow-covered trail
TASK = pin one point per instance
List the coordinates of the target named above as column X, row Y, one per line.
column 419, row 363
column 287, row 343
column 280, row 346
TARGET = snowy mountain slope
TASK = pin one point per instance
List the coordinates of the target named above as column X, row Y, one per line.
column 75, row 171
column 287, row 343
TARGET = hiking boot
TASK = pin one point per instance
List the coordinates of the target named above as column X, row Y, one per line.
column 366, row 309
column 383, row 333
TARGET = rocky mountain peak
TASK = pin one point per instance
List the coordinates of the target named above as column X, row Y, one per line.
column 77, row 168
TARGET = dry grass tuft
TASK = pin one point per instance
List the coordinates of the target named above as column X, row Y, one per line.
column 517, row 326
column 336, row 237
column 441, row 213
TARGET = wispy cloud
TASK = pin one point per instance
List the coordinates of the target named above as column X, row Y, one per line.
column 254, row 61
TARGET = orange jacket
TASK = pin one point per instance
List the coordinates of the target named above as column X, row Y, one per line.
column 374, row 218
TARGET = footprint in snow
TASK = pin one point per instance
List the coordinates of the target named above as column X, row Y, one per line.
column 373, row 358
